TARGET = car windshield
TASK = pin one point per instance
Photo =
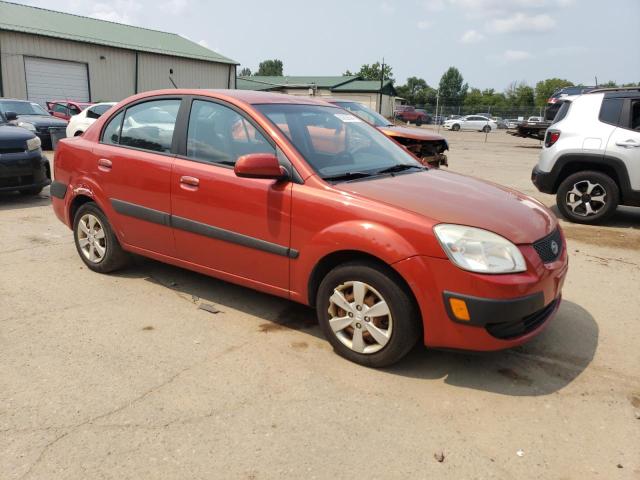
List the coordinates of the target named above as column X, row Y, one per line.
column 338, row 145
column 365, row 113
column 22, row 108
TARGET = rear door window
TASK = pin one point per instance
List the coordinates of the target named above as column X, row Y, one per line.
column 562, row 112
column 611, row 110
column 111, row 133
column 150, row 125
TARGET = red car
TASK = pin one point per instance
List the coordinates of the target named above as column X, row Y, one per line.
column 66, row 109
column 300, row 199
column 412, row 115
column 428, row 147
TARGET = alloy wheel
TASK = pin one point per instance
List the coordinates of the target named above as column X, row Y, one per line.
column 91, row 238
column 360, row 317
column 586, row 199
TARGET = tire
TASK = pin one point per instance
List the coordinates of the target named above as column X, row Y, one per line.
column 486, row 129
column 455, row 127
column 381, row 285
column 597, row 190
column 30, row 191
column 107, row 255
column 418, row 122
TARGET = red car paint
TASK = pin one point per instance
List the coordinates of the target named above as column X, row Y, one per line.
column 390, row 218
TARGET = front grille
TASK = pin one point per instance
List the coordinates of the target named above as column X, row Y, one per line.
column 508, row 330
column 11, row 150
column 550, row 247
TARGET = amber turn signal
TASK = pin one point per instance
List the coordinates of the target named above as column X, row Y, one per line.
column 459, row 309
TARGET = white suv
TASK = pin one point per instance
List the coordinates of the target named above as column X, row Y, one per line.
column 591, row 155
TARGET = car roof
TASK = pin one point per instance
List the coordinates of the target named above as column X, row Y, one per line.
column 253, row 97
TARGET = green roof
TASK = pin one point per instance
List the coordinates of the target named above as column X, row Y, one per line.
column 321, row 82
column 244, row 83
column 366, row 86
column 39, row 21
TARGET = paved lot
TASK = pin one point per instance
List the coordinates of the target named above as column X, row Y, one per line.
column 124, row 376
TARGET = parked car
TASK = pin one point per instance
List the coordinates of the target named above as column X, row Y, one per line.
column 427, row 146
column 471, row 122
column 591, row 155
column 513, row 122
column 66, row 109
column 80, row 122
column 33, row 117
column 22, row 166
column 429, row 118
column 411, row 115
column 500, row 122
column 315, row 205
column 559, row 96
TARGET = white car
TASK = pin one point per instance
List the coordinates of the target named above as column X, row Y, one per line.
column 80, row 122
column 471, row 122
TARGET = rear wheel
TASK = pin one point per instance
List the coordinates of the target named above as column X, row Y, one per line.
column 366, row 315
column 455, row 127
column 418, row 122
column 95, row 241
column 486, row 129
column 588, row 197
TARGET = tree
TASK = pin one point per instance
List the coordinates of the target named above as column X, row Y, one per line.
column 545, row 88
column 270, row 68
column 372, row 72
column 452, row 87
column 519, row 94
column 245, row 72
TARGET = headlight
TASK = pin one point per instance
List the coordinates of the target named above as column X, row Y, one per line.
column 27, row 125
column 479, row 250
column 33, row 143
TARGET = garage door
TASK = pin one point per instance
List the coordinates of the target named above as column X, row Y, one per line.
column 56, row 80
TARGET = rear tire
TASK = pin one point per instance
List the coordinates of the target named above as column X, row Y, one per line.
column 376, row 340
column 486, row 129
column 95, row 241
column 418, row 122
column 588, row 197
column 455, row 127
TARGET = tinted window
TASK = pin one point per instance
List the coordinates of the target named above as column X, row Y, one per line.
column 610, row 110
column 150, row 125
column 219, row 134
column 562, row 112
column 73, row 110
column 635, row 115
column 96, row 112
column 111, row 133
column 60, row 108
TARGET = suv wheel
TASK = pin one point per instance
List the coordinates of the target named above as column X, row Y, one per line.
column 95, row 241
column 588, row 197
column 366, row 315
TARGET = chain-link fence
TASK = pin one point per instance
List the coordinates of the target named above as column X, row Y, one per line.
column 442, row 113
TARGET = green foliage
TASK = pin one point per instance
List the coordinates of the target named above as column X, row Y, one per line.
column 519, row 94
column 452, row 87
column 372, row 72
column 245, row 72
column 417, row 92
column 546, row 88
column 270, row 68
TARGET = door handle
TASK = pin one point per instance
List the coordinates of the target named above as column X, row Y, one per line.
column 190, row 181
column 104, row 165
column 628, row 143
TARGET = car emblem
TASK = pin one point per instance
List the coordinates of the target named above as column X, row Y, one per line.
column 554, row 247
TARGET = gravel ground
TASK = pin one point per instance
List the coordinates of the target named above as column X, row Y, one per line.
column 126, row 377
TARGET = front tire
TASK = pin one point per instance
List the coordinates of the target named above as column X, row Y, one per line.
column 418, row 122
column 366, row 314
column 486, row 129
column 95, row 241
column 588, row 197
column 455, row 127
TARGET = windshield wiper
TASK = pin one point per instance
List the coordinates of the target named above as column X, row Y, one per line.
column 347, row 176
column 401, row 167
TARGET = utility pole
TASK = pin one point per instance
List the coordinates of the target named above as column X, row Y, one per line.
column 381, row 84
column 437, row 105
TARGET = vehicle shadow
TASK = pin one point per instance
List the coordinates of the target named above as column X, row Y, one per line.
column 15, row 201
column 545, row 365
column 624, row 217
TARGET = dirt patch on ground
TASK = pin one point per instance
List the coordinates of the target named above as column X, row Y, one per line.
column 604, row 237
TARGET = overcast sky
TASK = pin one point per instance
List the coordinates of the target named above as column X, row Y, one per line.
column 492, row 42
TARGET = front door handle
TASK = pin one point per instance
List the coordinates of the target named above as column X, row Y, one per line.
column 189, row 183
column 628, row 143
column 104, row 165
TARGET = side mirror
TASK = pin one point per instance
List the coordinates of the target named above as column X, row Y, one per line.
column 11, row 116
column 260, row 165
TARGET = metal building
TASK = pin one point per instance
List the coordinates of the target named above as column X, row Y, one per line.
column 47, row 55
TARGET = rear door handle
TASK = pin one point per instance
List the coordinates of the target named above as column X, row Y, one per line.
column 104, row 165
column 189, row 183
column 628, row 143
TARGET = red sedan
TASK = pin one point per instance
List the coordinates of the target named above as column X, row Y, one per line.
column 303, row 200
column 65, row 109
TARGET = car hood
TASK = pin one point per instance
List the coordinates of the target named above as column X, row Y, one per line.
column 42, row 120
column 11, row 136
column 446, row 197
column 414, row 133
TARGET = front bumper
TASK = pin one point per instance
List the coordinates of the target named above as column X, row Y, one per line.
column 544, row 181
column 23, row 170
column 505, row 310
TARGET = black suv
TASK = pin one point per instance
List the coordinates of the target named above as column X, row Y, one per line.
column 31, row 116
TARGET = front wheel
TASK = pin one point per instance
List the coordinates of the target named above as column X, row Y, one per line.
column 455, row 127
column 588, row 197
column 418, row 122
column 486, row 129
column 95, row 241
column 366, row 315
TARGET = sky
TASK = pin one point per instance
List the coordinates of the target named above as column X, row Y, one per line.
column 491, row 42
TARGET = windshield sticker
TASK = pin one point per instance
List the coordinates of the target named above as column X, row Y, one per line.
column 347, row 118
